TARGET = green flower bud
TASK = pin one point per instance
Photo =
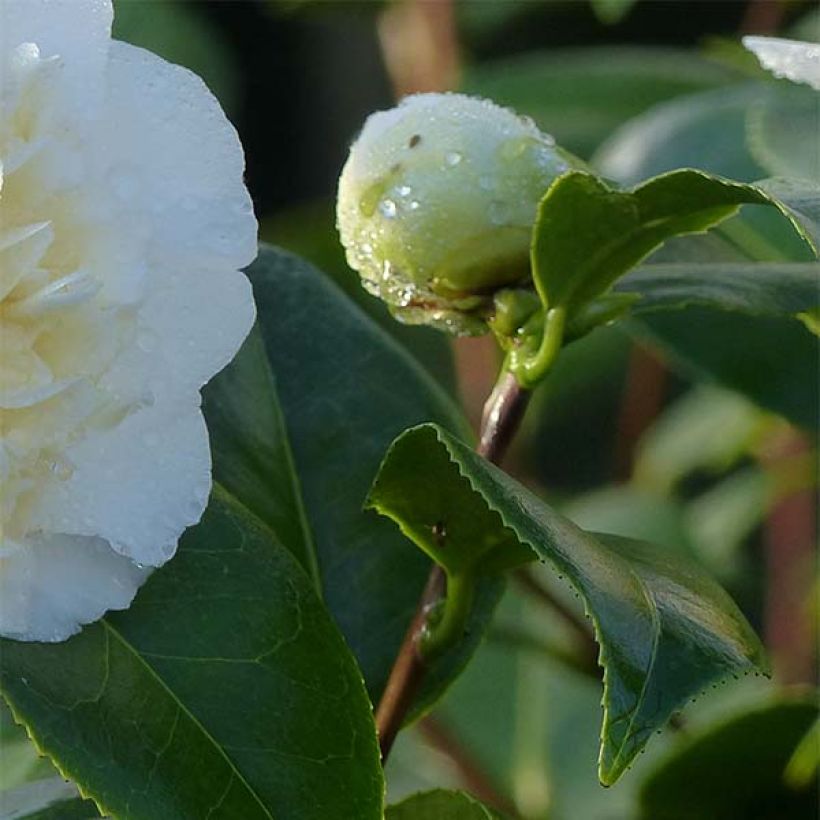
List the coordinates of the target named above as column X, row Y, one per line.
column 436, row 205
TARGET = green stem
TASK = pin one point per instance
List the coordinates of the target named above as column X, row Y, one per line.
column 448, row 630
column 530, row 371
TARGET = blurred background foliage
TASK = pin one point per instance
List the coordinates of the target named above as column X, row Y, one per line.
column 695, row 430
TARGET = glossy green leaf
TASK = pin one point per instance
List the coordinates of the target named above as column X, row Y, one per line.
column 224, row 691
column 666, row 629
column 346, row 390
column 251, row 453
column 440, row 805
column 587, row 235
column 801, row 198
column 736, row 770
column 762, row 288
column 582, row 95
column 51, row 799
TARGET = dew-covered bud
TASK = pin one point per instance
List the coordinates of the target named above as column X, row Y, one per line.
column 436, row 205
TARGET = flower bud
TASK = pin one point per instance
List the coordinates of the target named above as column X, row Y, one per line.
column 436, row 205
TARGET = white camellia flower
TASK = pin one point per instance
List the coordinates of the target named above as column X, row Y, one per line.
column 124, row 221
column 789, row 59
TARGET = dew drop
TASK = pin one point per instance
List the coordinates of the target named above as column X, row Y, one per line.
column 404, row 190
column 452, row 158
column 414, row 205
column 387, row 208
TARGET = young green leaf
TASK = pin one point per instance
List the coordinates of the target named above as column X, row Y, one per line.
column 760, row 288
column 224, row 691
column 345, row 389
column 736, row 769
column 587, row 235
column 440, row 805
column 666, row 630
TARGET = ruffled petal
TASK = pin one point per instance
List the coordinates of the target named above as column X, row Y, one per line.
column 138, row 485
column 51, row 585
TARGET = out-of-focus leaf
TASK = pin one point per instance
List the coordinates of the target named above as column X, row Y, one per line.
column 783, row 131
column 705, row 130
column 224, row 689
column 19, row 761
column 735, row 770
column 346, row 389
column 707, row 429
column 666, row 630
column 581, row 96
column 440, row 805
column 725, row 515
column 180, row 33
column 784, row 289
column 770, row 360
column 612, row 11
column 52, row 799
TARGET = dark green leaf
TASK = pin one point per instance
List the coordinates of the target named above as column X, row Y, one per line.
column 735, row 771
column 310, row 232
column 440, row 805
column 346, row 390
column 587, row 234
column 251, row 453
column 771, row 360
column 581, row 96
column 751, row 287
column 666, row 629
column 224, row 691
column 52, row 799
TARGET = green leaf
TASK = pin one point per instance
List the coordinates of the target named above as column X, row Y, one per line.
column 581, row 95
column 705, row 130
column 666, row 629
column 770, row 359
column 440, row 805
column 224, row 691
column 252, row 458
column 782, row 131
column 761, row 288
column 346, row 390
column 587, row 235
column 612, row 11
column 51, row 799
column 735, row 770
column 801, row 197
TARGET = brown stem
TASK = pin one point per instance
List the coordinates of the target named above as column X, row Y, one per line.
column 502, row 415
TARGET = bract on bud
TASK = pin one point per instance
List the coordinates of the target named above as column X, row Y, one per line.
column 436, row 205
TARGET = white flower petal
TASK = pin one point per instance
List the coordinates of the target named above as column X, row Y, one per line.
column 76, row 32
column 138, row 484
column 790, row 59
column 193, row 186
column 51, row 585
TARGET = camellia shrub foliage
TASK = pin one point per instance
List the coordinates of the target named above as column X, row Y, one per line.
column 228, row 602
